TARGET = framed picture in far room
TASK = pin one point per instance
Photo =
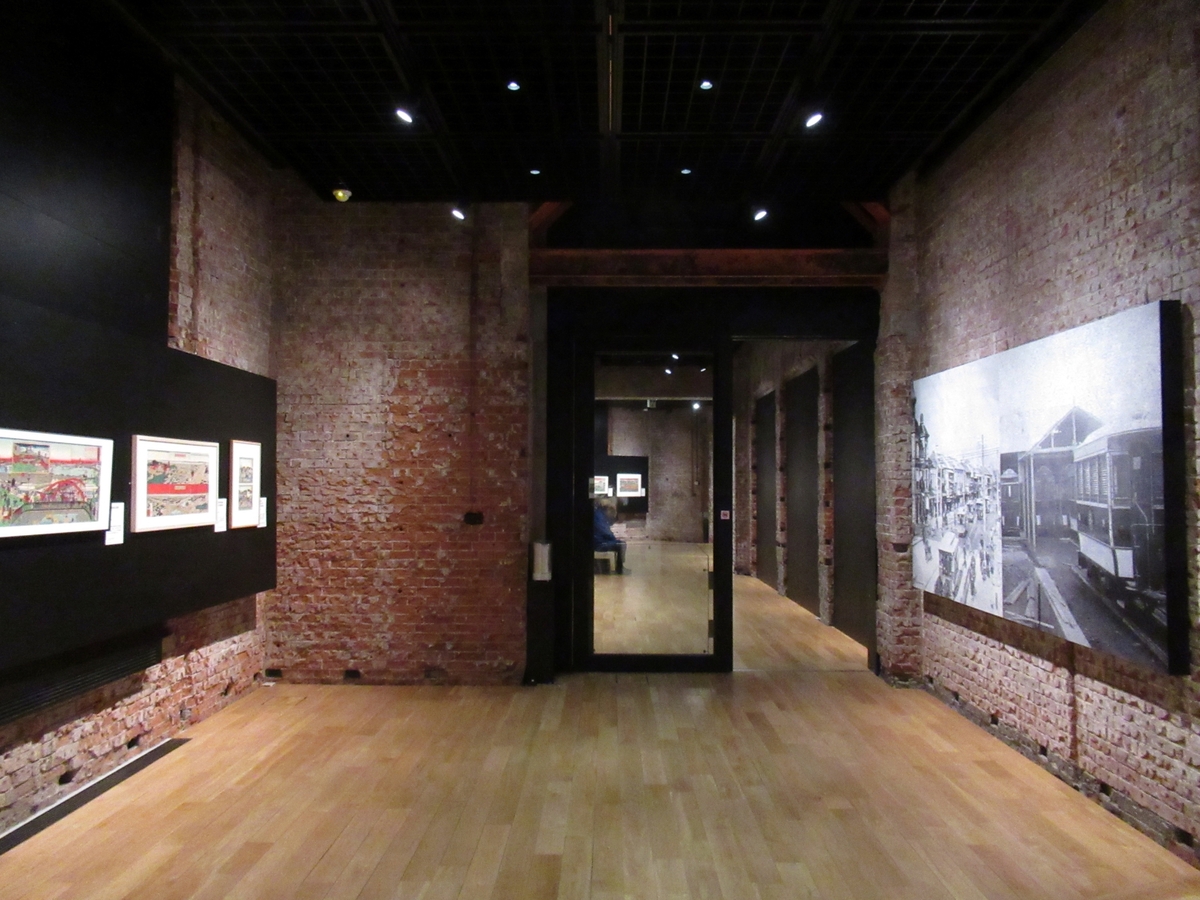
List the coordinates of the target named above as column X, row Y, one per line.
column 600, row 486
column 629, row 484
column 245, row 483
column 53, row 483
column 174, row 483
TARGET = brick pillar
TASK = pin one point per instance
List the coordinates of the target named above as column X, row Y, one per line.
column 898, row 616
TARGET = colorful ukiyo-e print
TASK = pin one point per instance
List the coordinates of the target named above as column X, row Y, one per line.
column 176, row 484
column 49, row 483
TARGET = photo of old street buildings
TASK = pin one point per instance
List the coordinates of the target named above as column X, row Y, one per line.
column 1038, row 486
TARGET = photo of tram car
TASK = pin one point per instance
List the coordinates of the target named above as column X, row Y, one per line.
column 1119, row 513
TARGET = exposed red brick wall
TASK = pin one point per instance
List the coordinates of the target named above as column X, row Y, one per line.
column 678, row 443
column 220, row 310
column 377, row 570
column 220, row 303
column 1079, row 198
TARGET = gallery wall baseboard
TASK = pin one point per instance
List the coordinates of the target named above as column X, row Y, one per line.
column 67, row 805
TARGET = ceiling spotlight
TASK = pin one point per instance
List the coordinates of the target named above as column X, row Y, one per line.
column 341, row 193
column 759, row 215
column 814, row 119
column 404, row 116
column 696, row 405
column 685, row 171
column 706, row 85
column 674, row 356
column 458, row 214
column 513, row 86
column 535, row 171
column 704, row 368
column 668, row 371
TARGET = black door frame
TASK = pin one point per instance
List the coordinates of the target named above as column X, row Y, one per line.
column 584, row 654
column 579, row 320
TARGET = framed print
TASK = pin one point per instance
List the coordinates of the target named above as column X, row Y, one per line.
column 245, row 483
column 174, row 483
column 53, row 483
column 1039, row 480
column 629, row 485
column 600, row 486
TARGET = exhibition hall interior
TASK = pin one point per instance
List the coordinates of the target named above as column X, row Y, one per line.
column 599, row 449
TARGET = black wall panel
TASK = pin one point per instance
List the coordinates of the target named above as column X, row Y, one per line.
column 86, row 122
column 854, row 560
column 800, row 442
column 61, row 375
column 767, row 464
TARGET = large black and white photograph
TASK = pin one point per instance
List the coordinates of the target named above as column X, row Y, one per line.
column 1038, row 486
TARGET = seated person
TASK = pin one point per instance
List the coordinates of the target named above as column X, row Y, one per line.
column 604, row 539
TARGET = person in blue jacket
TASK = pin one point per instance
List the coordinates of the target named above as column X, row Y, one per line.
column 604, row 539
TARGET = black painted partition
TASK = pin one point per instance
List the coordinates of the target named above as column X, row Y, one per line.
column 800, row 429
column 66, row 376
column 855, row 564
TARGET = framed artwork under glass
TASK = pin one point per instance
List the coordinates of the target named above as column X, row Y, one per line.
column 53, row 483
column 245, row 483
column 174, row 483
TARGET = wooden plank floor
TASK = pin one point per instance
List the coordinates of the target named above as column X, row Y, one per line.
column 800, row 776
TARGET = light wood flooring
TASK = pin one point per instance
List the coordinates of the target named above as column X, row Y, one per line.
column 660, row 605
column 800, row 776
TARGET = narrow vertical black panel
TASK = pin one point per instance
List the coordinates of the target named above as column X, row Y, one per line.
column 600, row 432
column 1175, row 486
column 854, row 561
column 723, row 506
column 560, row 467
column 767, row 495
column 803, row 475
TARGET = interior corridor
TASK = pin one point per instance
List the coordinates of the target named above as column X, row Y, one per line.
column 798, row 775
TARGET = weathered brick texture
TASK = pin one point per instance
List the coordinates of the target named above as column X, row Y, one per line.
column 392, row 426
column 220, row 304
column 1078, row 198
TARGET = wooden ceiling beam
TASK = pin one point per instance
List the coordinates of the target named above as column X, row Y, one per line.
column 540, row 220
column 707, row 268
column 871, row 215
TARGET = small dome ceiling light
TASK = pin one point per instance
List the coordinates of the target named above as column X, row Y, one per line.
column 668, row 371
column 674, row 356
column 341, row 193
column 404, row 115
column 535, row 171
column 704, row 368
column 813, row 120
column 685, row 171
column 458, row 214
column 759, row 215
column 706, row 85
column 513, row 86
column 696, row 405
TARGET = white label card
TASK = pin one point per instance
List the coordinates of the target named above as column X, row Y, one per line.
column 116, row 524
column 262, row 512
column 222, row 514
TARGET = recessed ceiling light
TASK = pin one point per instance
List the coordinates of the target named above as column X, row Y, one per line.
column 513, row 86
column 696, row 405
column 674, row 356
column 685, row 171
column 404, row 116
column 704, row 368
column 535, row 171
column 668, row 371
column 706, row 85
column 814, row 119
column 458, row 214
column 759, row 215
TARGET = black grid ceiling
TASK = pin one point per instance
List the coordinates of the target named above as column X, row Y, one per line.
column 318, row 81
